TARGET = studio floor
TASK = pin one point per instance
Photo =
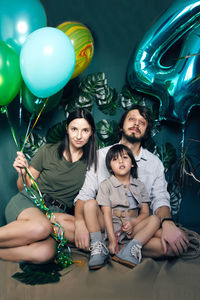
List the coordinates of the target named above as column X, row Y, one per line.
column 152, row 280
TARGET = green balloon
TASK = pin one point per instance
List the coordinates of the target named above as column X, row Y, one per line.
column 10, row 75
column 34, row 104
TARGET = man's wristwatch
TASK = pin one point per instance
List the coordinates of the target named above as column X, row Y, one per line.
column 166, row 219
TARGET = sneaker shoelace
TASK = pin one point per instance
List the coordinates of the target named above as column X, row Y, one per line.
column 136, row 251
column 97, row 248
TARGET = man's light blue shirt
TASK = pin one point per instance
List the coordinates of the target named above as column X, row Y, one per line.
column 150, row 172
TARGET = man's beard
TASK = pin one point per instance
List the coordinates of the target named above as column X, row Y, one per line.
column 132, row 138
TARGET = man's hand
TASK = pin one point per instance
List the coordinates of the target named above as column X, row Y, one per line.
column 173, row 239
column 82, row 239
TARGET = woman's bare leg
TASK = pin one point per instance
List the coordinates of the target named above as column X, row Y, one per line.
column 37, row 253
column 31, row 226
column 68, row 224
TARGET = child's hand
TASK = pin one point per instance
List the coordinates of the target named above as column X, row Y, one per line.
column 112, row 247
column 127, row 227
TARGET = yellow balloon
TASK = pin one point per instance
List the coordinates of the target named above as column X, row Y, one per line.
column 83, row 43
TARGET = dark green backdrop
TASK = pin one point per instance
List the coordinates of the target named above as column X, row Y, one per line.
column 117, row 26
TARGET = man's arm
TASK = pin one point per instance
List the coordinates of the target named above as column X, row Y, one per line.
column 173, row 239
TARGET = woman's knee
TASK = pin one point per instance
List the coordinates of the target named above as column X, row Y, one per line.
column 39, row 229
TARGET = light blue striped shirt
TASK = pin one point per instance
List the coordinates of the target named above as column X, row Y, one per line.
column 150, row 172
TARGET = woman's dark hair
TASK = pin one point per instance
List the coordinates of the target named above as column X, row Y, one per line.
column 90, row 149
column 116, row 150
column 146, row 113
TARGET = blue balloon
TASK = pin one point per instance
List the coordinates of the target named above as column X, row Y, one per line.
column 18, row 18
column 47, row 61
column 170, row 84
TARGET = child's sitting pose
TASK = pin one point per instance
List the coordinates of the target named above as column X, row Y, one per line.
column 124, row 203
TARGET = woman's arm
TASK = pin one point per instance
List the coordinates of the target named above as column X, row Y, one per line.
column 20, row 164
column 82, row 239
column 107, row 212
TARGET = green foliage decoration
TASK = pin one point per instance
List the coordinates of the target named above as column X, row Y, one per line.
column 95, row 89
column 38, row 274
column 56, row 133
column 107, row 132
column 33, row 143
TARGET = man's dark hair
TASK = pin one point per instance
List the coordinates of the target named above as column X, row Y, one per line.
column 146, row 113
column 116, row 150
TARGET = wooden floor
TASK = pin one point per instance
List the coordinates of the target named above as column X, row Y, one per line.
column 152, row 280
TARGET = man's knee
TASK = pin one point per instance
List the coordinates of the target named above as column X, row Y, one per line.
column 90, row 205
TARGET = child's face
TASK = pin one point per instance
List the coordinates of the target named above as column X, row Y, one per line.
column 121, row 164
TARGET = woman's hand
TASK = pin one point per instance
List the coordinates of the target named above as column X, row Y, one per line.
column 82, row 239
column 20, row 163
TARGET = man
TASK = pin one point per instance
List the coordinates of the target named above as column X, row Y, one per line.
column 135, row 129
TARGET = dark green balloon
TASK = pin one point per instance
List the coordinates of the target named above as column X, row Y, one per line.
column 10, row 75
column 34, row 104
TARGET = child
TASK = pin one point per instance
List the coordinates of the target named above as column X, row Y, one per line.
column 124, row 203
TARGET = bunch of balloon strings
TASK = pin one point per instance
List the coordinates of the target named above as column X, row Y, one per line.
column 63, row 252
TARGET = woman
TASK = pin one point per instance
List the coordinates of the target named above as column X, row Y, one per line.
column 60, row 171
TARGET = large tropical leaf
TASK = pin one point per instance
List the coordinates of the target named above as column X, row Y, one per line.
column 33, row 143
column 38, row 274
column 107, row 132
column 56, row 133
column 175, row 197
column 94, row 88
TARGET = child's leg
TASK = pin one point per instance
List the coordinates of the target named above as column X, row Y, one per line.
column 93, row 216
column 146, row 229
column 130, row 255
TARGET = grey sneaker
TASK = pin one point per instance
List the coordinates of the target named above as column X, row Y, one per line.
column 130, row 255
column 99, row 255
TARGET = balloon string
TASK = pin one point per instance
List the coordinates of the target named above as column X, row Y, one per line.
column 37, row 119
column 182, row 140
column 11, row 127
column 20, row 108
column 25, row 139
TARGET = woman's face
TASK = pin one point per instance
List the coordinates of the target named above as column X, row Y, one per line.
column 79, row 132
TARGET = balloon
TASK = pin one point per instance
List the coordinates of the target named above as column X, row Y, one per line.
column 83, row 43
column 170, row 84
column 47, row 61
column 10, row 76
column 18, row 18
column 34, row 105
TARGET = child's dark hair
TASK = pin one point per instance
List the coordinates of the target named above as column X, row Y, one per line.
column 90, row 149
column 116, row 150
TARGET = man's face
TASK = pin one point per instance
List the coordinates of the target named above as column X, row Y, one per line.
column 134, row 127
